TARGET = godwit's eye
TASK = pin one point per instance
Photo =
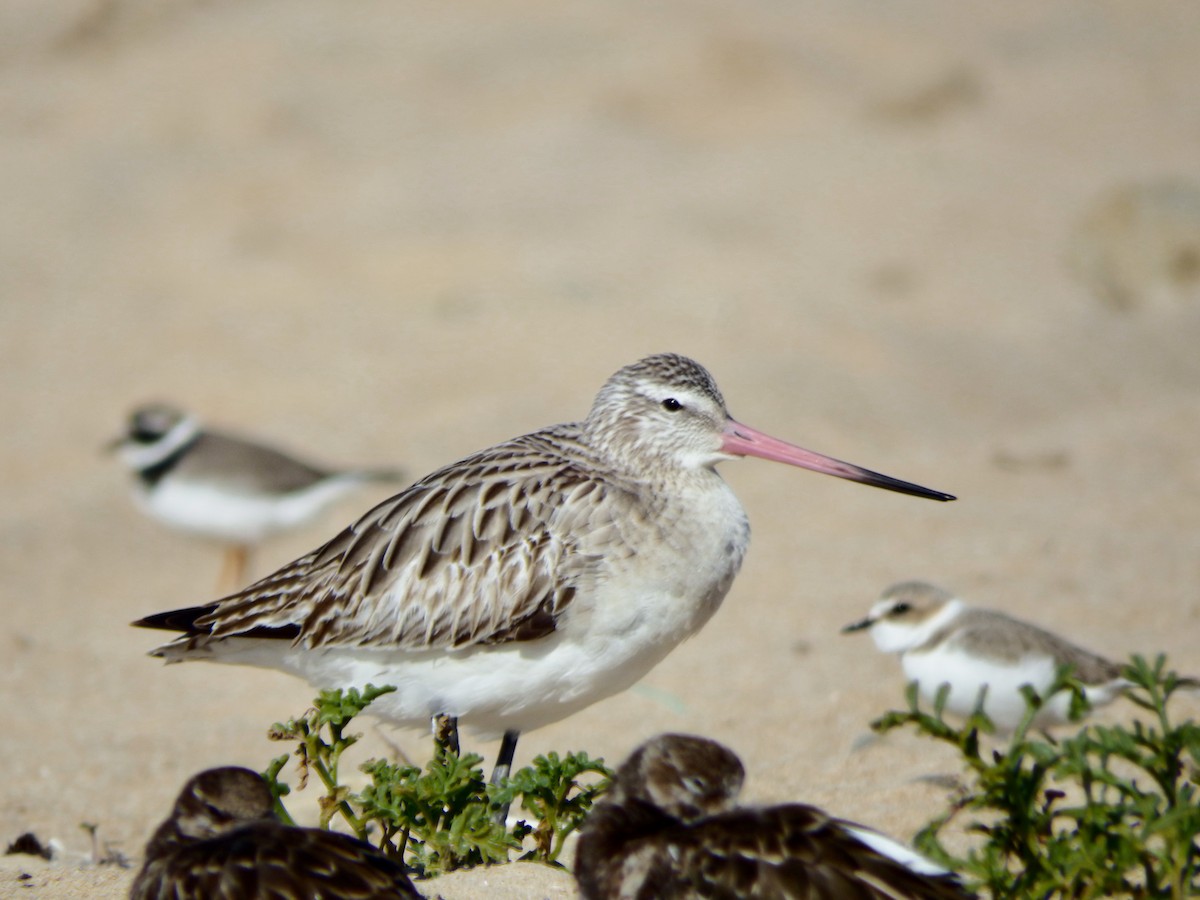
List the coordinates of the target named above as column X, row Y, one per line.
column 901, row 608
column 672, row 405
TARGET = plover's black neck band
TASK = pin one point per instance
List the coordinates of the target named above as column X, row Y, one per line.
column 152, row 474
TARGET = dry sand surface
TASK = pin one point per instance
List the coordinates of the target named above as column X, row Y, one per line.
column 914, row 236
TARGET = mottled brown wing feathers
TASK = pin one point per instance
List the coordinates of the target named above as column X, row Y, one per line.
column 266, row 859
column 476, row 553
column 791, row 852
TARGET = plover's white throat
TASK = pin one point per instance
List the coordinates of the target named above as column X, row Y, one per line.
column 942, row 640
column 671, row 827
column 222, row 840
column 224, row 487
column 525, row 582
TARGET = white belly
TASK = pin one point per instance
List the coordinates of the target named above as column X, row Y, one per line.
column 491, row 689
column 1004, row 704
column 618, row 627
column 238, row 518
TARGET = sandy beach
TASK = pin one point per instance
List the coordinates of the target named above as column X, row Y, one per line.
column 952, row 243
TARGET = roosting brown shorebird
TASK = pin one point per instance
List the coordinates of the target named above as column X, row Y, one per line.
column 222, row 842
column 670, row 828
column 527, row 581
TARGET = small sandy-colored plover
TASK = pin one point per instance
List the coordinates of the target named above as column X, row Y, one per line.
column 525, row 582
column 224, row 487
column 671, row 827
column 942, row 640
column 223, row 841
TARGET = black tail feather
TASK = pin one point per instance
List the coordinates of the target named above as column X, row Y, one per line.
column 183, row 620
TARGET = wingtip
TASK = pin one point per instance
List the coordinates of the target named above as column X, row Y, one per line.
column 182, row 620
column 931, row 494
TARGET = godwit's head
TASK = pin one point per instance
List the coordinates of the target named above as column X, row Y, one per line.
column 667, row 412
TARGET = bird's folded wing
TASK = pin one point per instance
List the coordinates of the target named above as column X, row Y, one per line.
column 268, row 860
column 479, row 552
column 791, row 851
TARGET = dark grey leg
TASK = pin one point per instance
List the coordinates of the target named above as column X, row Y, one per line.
column 504, row 760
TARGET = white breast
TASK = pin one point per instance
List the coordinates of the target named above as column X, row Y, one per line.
column 1005, row 704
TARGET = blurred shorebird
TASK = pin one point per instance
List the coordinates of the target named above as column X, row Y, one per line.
column 670, row 827
column 224, row 487
column 223, row 841
column 942, row 640
column 525, row 582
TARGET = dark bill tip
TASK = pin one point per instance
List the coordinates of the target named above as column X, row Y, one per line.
column 888, row 483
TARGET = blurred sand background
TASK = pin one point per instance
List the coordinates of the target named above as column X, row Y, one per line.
column 956, row 243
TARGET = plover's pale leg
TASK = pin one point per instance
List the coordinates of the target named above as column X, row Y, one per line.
column 234, row 565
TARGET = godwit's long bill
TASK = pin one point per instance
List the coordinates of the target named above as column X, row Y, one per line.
column 742, row 440
column 527, row 581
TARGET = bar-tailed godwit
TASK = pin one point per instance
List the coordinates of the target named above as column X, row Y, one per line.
column 527, row 581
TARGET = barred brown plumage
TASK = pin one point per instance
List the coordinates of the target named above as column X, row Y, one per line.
column 222, row 842
column 670, row 828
